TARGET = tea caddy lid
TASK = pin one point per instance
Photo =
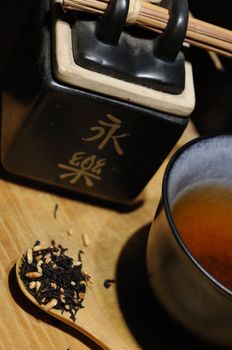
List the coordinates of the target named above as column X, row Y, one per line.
column 69, row 72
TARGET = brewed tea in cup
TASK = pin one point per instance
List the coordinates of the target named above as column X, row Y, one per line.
column 189, row 251
column 203, row 218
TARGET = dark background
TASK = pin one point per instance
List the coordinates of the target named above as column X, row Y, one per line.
column 213, row 112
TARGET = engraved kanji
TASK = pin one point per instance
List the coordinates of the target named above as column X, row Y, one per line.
column 82, row 165
column 107, row 131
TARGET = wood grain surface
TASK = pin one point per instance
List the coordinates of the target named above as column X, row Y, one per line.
column 27, row 214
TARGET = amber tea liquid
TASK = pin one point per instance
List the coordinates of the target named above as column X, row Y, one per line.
column 203, row 217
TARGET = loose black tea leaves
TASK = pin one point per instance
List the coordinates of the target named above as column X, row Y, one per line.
column 53, row 278
column 107, row 283
column 55, row 211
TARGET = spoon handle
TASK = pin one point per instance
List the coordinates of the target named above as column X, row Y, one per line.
column 98, row 327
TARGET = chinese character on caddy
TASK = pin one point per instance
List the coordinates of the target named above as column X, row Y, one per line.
column 80, row 165
column 101, row 132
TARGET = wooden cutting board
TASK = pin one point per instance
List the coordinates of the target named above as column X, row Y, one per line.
column 27, row 214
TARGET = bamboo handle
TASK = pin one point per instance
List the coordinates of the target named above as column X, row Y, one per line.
column 155, row 18
column 197, row 31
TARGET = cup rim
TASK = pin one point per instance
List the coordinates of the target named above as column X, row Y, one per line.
column 168, row 213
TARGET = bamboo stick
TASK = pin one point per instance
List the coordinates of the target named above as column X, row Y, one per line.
column 155, row 18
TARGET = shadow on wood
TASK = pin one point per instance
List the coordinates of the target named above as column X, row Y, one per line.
column 147, row 320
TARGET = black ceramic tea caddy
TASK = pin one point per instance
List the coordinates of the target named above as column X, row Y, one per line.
column 91, row 105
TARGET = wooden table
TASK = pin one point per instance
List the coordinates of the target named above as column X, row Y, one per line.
column 116, row 250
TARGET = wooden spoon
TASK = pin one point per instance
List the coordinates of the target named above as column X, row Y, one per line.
column 90, row 320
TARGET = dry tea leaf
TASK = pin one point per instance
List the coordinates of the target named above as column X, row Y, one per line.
column 53, row 279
